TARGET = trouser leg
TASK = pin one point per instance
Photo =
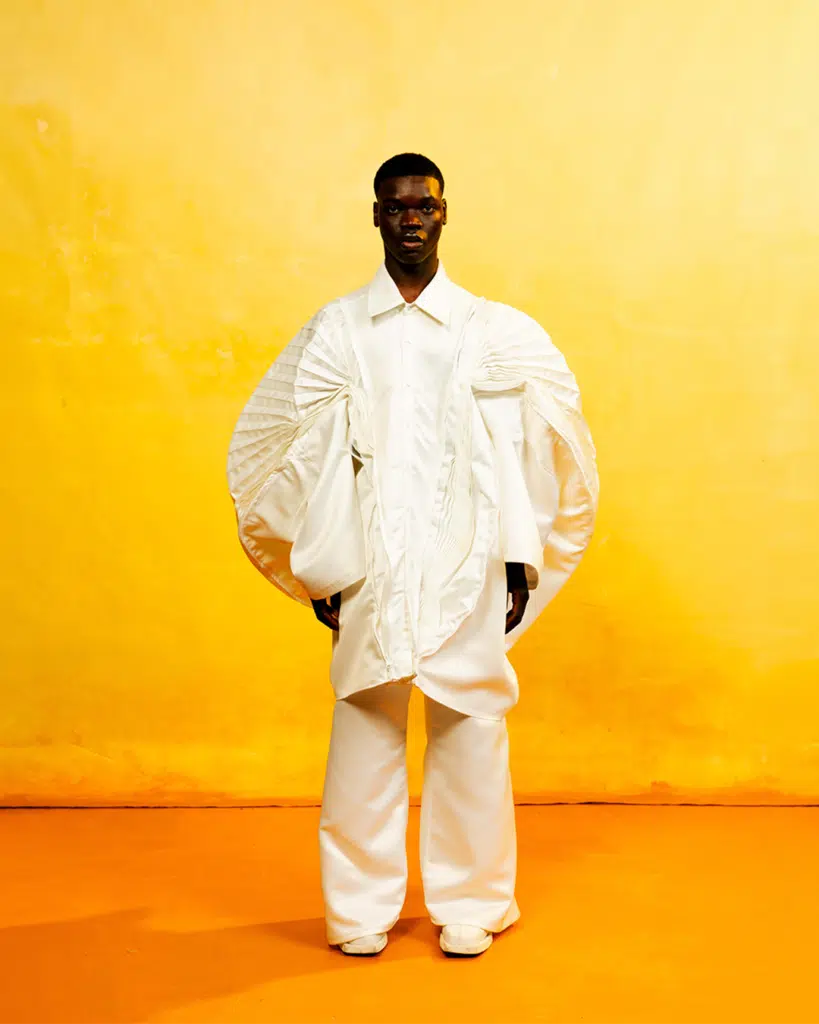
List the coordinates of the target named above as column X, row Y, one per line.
column 362, row 834
column 468, row 840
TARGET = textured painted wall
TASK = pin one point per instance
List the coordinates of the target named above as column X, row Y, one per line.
column 184, row 184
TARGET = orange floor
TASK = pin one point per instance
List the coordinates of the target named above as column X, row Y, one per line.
column 629, row 914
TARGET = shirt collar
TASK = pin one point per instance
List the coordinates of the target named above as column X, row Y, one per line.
column 435, row 299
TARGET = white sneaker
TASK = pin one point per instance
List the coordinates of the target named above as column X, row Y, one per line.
column 367, row 945
column 465, row 940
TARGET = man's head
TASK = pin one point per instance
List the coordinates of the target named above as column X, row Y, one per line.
column 409, row 207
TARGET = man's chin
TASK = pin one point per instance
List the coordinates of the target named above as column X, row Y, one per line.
column 411, row 258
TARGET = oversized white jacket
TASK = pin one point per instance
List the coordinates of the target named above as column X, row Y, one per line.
column 401, row 454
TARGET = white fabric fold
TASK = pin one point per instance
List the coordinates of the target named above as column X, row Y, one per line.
column 291, row 473
column 559, row 452
column 328, row 552
column 522, row 536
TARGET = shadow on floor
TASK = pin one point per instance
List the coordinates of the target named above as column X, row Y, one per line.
column 114, row 968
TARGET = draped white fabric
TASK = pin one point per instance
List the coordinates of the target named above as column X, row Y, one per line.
column 400, row 453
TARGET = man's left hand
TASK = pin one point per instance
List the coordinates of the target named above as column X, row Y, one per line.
column 518, row 591
column 328, row 611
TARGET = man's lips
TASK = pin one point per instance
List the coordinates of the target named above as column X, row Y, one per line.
column 411, row 243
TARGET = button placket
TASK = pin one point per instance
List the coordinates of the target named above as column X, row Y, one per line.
column 407, row 470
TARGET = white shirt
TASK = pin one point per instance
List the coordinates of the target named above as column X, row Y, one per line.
column 401, row 453
column 407, row 352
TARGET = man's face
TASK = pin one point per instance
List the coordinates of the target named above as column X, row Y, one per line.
column 410, row 213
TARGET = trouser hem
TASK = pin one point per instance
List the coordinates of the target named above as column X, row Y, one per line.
column 489, row 925
column 333, row 938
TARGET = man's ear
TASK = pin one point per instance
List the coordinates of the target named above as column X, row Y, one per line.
column 443, row 207
column 375, row 214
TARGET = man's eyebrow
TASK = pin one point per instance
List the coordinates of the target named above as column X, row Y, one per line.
column 422, row 200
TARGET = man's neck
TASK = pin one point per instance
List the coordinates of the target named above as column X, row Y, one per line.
column 411, row 279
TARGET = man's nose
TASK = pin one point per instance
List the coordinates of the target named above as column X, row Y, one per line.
column 411, row 219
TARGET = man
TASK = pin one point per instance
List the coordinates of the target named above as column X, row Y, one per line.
column 416, row 466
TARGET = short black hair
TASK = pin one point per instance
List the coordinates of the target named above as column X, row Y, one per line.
column 405, row 165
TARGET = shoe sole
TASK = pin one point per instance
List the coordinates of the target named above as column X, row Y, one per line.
column 461, row 951
column 374, row 952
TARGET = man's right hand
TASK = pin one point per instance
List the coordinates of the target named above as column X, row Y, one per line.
column 327, row 610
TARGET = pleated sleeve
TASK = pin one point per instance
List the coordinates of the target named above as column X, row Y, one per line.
column 547, row 470
column 291, row 472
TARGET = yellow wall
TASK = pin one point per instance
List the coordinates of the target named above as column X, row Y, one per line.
column 183, row 184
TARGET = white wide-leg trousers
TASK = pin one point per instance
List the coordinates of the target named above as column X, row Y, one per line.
column 468, row 843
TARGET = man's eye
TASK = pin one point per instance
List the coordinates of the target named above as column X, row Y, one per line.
column 391, row 209
column 429, row 209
